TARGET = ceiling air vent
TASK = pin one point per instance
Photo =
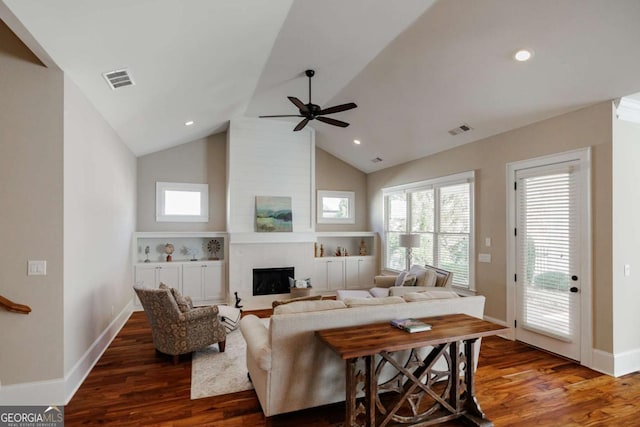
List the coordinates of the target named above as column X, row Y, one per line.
column 118, row 78
column 460, row 129
column 376, row 160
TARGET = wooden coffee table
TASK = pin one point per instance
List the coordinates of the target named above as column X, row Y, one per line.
column 419, row 394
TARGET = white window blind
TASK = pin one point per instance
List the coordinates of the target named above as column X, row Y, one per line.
column 546, row 224
column 440, row 211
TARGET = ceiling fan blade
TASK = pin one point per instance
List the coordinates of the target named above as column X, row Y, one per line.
column 338, row 108
column 285, row 115
column 334, row 122
column 298, row 104
column 302, row 124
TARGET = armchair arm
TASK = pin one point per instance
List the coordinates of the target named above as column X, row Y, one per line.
column 384, row 281
column 257, row 337
column 201, row 312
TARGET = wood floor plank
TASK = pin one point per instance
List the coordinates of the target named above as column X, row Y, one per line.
column 516, row 385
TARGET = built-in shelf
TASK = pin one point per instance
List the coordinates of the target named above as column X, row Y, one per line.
column 188, row 246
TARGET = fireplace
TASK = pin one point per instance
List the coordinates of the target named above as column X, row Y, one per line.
column 269, row 281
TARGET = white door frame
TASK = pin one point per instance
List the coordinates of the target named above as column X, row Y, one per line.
column 583, row 156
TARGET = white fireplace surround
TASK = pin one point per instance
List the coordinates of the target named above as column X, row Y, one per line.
column 266, row 158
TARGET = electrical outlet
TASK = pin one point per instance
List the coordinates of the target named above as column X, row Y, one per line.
column 627, row 270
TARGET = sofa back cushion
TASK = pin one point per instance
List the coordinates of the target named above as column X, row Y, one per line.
column 305, row 306
column 359, row 302
column 435, row 293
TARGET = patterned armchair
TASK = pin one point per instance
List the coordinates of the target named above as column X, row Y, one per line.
column 179, row 330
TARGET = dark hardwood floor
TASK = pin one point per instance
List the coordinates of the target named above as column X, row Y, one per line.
column 516, row 386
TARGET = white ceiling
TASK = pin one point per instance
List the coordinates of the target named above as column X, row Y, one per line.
column 416, row 68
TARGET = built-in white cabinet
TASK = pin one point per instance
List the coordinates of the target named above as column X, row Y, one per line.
column 198, row 268
column 152, row 274
column 329, row 274
column 359, row 272
column 204, row 281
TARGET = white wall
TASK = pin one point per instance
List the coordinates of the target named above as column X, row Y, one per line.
column 99, row 219
column 265, row 158
column 626, row 238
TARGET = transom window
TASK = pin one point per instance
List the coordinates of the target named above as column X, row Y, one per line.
column 440, row 211
column 182, row 202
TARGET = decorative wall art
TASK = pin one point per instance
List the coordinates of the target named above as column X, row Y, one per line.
column 273, row 214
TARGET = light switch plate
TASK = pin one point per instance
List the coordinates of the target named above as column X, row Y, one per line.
column 37, row 268
column 484, row 258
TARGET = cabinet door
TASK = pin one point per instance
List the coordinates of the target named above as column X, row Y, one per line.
column 145, row 276
column 192, row 281
column 319, row 281
column 351, row 273
column 366, row 271
column 335, row 274
column 214, row 282
column 169, row 275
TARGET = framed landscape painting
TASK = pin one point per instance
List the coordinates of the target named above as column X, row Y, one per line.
column 273, row 214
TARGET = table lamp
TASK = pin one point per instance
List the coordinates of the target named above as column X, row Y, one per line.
column 409, row 241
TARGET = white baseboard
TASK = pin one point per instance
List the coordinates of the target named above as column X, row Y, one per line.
column 60, row 391
column 509, row 335
column 616, row 365
column 602, row 361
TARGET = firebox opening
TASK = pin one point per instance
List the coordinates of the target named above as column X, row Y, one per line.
column 269, row 281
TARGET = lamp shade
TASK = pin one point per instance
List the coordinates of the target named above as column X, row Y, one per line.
column 409, row 240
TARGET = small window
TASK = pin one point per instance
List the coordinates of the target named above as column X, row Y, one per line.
column 336, row 207
column 180, row 202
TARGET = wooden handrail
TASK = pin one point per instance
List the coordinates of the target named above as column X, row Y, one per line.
column 14, row 307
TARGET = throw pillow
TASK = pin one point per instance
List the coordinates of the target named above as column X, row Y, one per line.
column 430, row 278
column 360, row 302
column 299, row 283
column 409, row 280
column 183, row 303
column 229, row 317
column 400, row 278
column 274, row 304
column 306, row 306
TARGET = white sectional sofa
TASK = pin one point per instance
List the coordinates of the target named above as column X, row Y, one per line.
column 292, row 370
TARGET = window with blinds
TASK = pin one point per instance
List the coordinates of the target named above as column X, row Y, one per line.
column 441, row 212
column 546, row 229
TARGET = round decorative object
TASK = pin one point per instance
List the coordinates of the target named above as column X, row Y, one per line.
column 213, row 247
column 168, row 249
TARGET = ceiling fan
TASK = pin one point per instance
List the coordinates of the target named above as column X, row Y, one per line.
column 314, row 112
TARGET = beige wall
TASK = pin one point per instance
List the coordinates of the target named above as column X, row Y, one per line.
column 31, row 213
column 335, row 175
column 588, row 127
column 199, row 162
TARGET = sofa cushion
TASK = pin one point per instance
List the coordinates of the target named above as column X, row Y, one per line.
column 274, row 304
column 378, row 292
column 359, row 302
column 304, row 306
column 430, row 294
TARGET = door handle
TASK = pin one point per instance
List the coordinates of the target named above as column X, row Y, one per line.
column 574, row 278
column 573, row 289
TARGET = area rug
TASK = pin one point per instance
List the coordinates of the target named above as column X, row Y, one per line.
column 214, row 373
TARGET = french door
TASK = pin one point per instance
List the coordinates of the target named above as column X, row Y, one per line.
column 550, row 221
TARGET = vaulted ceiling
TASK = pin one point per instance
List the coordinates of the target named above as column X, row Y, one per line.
column 416, row 68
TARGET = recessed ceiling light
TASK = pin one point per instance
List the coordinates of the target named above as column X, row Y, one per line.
column 356, row 141
column 189, row 123
column 523, row 55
